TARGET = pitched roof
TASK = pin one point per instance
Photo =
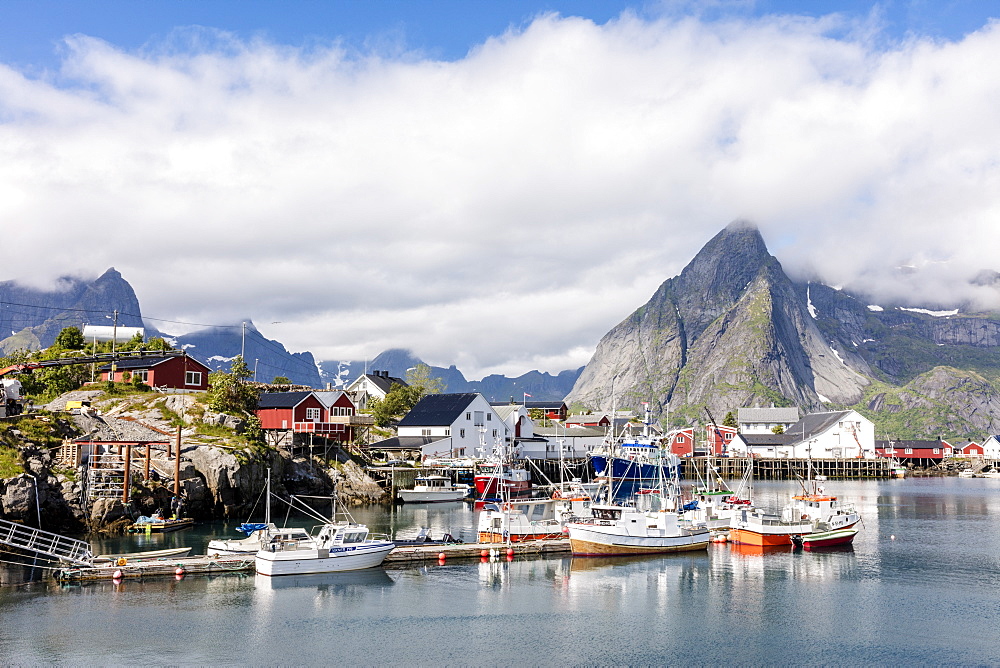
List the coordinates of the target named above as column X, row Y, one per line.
column 146, row 362
column 438, row 409
column 812, row 424
column 918, row 444
column 405, row 442
column 328, row 398
column 281, row 399
column 383, row 383
column 785, row 414
column 761, row 440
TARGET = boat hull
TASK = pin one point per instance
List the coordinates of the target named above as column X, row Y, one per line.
column 412, row 496
column 773, row 537
column 334, row 560
column 162, row 527
column 601, row 541
column 827, row 539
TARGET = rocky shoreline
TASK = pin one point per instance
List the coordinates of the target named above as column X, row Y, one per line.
column 217, row 480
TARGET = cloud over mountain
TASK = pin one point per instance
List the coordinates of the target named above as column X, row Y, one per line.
column 502, row 210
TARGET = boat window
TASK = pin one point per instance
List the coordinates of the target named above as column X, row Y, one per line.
column 354, row 536
column 538, row 510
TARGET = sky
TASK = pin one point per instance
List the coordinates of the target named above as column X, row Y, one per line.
column 491, row 184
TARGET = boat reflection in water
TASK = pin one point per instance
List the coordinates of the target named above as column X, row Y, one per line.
column 340, row 583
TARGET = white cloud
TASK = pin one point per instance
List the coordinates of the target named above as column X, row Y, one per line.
column 502, row 211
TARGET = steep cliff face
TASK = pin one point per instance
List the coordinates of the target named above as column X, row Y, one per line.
column 729, row 331
column 73, row 302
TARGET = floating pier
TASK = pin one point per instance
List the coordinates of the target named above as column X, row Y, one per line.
column 181, row 566
column 462, row 551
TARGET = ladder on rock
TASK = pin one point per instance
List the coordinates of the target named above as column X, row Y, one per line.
column 52, row 545
column 105, row 477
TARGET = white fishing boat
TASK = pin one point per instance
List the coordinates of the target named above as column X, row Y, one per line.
column 810, row 512
column 519, row 520
column 257, row 534
column 433, row 489
column 332, row 547
column 335, row 547
column 616, row 530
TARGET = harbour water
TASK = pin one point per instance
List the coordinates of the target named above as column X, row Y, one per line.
column 917, row 587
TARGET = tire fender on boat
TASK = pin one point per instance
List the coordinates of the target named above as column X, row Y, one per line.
column 122, row 561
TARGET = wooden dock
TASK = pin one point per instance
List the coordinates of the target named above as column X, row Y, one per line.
column 464, row 551
column 202, row 565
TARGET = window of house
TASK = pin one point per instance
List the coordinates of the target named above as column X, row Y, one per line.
column 908, row 451
column 192, row 378
column 142, row 375
column 494, row 433
column 425, row 432
column 447, row 431
column 461, row 433
column 479, row 421
column 312, row 414
column 468, row 416
column 937, row 450
column 488, row 416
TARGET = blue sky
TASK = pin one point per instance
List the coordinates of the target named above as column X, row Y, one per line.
column 31, row 30
column 485, row 183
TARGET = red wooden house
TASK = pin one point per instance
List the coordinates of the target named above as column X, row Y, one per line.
column 718, row 438
column 328, row 414
column 681, row 442
column 179, row 372
column 921, row 452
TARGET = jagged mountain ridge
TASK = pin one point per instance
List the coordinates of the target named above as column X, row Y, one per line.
column 542, row 386
column 35, row 317
column 733, row 330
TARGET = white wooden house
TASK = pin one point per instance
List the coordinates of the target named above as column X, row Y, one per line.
column 372, row 385
column 832, row 435
column 473, row 428
column 765, row 420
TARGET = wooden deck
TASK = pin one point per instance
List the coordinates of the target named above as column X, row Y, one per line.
column 464, row 551
column 202, row 565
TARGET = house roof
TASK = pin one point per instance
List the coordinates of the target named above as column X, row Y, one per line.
column 761, row 440
column 812, row 424
column 328, row 399
column 405, row 442
column 281, row 399
column 383, row 383
column 785, row 414
column 147, row 362
column 438, row 409
column 916, row 444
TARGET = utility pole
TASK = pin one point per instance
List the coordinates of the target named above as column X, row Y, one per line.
column 243, row 343
column 114, row 340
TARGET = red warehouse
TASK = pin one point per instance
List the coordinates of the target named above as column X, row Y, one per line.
column 178, row 372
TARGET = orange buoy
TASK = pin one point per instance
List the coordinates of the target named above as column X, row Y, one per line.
column 510, row 552
column 441, row 556
column 484, row 553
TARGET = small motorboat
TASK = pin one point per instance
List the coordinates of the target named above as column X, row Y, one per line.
column 160, row 525
column 820, row 539
column 433, row 489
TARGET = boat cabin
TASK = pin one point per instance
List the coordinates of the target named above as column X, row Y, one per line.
column 342, row 534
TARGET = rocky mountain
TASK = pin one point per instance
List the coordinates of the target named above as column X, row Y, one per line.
column 734, row 330
column 542, row 386
column 217, row 346
column 34, row 317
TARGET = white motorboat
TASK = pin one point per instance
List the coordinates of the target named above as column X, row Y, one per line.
column 337, row 546
column 258, row 537
column 433, row 489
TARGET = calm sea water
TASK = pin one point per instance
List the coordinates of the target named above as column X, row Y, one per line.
column 919, row 586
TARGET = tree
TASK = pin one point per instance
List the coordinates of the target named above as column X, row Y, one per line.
column 230, row 392
column 730, row 420
column 135, row 343
column 70, row 338
column 420, row 376
column 281, row 380
column 158, row 343
column 777, row 429
column 397, row 403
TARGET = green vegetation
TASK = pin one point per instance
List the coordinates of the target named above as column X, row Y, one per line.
column 399, row 400
column 420, row 377
column 10, row 462
column 281, row 380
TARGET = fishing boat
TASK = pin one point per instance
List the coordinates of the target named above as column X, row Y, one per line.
column 501, row 480
column 809, row 513
column 520, row 520
column 713, row 504
column 335, row 547
column 632, row 462
column 158, row 524
column 433, row 489
column 257, row 534
column 616, row 530
column 821, row 539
